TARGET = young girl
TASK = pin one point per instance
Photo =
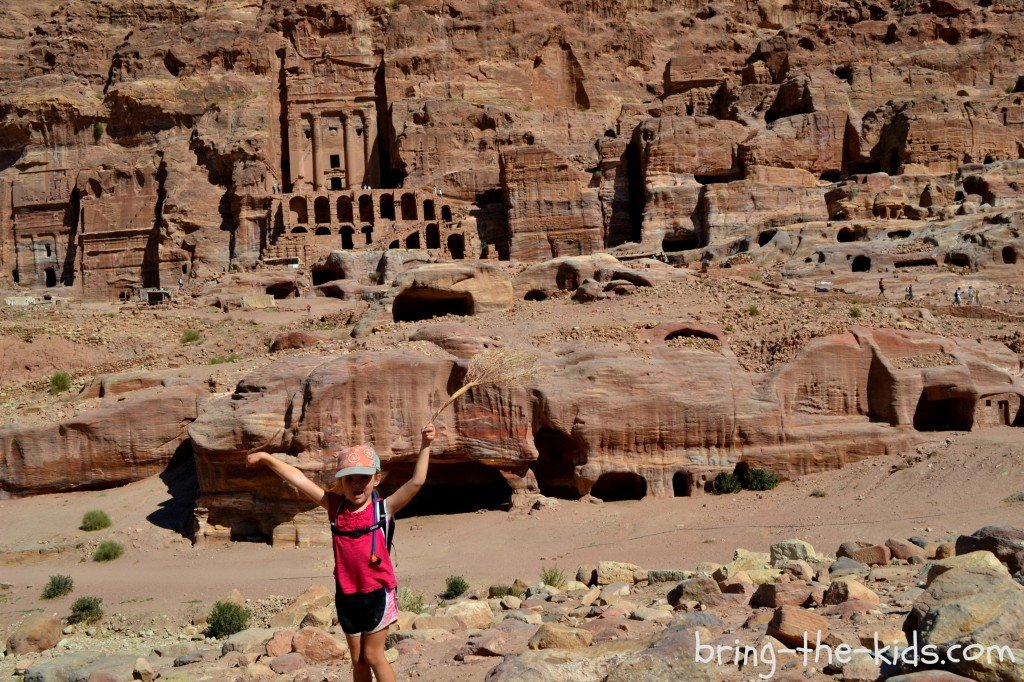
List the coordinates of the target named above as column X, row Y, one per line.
column 364, row 575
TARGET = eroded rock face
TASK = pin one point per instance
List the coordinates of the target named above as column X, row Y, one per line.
column 145, row 143
column 450, row 288
column 111, row 445
column 593, row 423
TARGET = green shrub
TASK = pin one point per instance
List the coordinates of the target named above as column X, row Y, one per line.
column 729, row 329
column 226, row 618
column 59, row 382
column 818, row 493
column 726, row 483
column 1016, row 497
column 108, row 551
column 855, row 311
column 220, row 360
column 410, row 600
column 454, row 586
column 553, row 576
column 190, row 336
column 97, row 130
column 759, row 479
column 753, row 310
column 58, row 586
column 499, row 591
column 86, row 610
column 95, row 519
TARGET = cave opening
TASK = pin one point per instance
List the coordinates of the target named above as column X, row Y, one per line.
column 681, row 484
column 1009, row 255
column 249, row 529
column 415, row 305
column 681, row 243
column 860, row 264
column 943, row 414
column 322, row 275
column 764, row 237
column 616, row 486
column 556, row 463
column 535, row 295
column 453, row 487
column 899, row 234
column 960, row 260
column 283, row 290
column 51, row 277
column 848, row 234
column 688, row 333
column 915, row 263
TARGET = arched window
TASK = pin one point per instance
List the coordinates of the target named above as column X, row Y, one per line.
column 408, row 206
column 366, row 209
column 457, row 246
column 345, row 210
column 298, row 210
column 322, row 210
column 433, row 236
column 387, row 207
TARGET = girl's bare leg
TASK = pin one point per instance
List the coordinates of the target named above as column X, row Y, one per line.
column 361, row 671
column 372, row 651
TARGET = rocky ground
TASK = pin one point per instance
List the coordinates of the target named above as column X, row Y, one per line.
column 766, row 320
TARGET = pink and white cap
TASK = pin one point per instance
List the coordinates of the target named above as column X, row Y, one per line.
column 357, row 460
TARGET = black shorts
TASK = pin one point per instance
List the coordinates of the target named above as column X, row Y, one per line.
column 365, row 612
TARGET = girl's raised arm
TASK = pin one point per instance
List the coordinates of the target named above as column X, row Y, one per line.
column 289, row 474
column 401, row 497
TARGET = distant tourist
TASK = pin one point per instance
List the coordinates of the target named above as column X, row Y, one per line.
column 364, row 575
column 957, row 297
column 881, row 287
column 910, row 292
column 970, row 295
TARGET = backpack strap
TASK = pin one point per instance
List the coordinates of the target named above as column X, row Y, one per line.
column 387, row 522
column 357, row 532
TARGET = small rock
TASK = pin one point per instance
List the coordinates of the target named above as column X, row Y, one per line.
column 143, row 671
column 556, row 636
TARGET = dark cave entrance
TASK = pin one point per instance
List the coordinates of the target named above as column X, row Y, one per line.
column 415, row 305
column 283, row 290
column 682, row 483
column 457, row 487
column 555, row 468
column 943, row 414
column 322, row 275
column 616, row 486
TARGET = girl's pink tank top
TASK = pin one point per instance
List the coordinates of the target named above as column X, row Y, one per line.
column 352, row 569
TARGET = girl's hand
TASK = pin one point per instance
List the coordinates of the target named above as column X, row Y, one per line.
column 255, row 459
column 428, row 434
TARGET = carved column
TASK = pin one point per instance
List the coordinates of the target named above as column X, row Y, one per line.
column 294, row 150
column 347, row 133
column 318, row 146
column 370, row 147
column 353, row 155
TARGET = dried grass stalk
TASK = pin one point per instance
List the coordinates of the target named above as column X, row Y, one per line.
column 499, row 367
